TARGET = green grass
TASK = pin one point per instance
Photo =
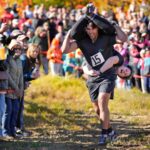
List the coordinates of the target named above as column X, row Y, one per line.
column 133, row 104
column 58, row 96
column 59, row 113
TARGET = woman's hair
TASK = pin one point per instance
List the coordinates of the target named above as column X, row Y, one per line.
column 31, row 48
column 129, row 76
column 39, row 30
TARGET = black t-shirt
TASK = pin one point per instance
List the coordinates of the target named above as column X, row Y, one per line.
column 97, row 53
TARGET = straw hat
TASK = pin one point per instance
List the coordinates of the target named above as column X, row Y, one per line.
column 13, row 43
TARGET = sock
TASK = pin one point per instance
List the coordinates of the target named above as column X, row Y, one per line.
column 104, row 131
column 109, row 130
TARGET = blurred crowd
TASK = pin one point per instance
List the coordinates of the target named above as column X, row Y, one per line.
column 34, row 38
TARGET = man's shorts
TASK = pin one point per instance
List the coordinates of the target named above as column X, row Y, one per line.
column 99, row 85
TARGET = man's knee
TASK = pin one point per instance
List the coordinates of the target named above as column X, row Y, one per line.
column 103, row 99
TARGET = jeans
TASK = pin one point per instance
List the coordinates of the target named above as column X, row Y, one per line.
column 128, row 84
column 2, row 111
column 44, row 62
column 10, row 116
column 147, row 84
column 56, row 68
column 136, row 71
column 20, row 122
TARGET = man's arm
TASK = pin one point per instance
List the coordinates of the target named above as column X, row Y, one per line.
column 87, row 69
column 69, row 44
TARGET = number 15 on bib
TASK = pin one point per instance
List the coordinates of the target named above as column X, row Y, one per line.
column 97, row 59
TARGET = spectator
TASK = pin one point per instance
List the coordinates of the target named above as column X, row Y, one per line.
column 41, row 39
column 15, row 83
column 30, row 62
column 55, row 55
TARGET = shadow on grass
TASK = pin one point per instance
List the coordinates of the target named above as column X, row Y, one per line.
column 86, row 138
column 55, row 117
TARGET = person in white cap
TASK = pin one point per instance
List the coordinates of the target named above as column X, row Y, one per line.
column 15, row 83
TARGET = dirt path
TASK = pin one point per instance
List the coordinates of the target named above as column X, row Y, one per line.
column 130, row 137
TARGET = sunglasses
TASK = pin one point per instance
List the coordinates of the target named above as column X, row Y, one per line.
column 15, row 49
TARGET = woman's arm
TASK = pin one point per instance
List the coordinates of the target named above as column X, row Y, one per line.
column 115, row 60
column 120, row 35
column 110, row 62
column 103, row 24
column 78, row 30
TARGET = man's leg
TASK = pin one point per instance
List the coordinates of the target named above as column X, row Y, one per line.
column 103, row 100
column 13, row 120
column 107, row 132
column 20, row 123
column 7, row 117
column 96, row 108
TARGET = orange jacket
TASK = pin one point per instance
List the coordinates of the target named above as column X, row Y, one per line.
column 54, row 53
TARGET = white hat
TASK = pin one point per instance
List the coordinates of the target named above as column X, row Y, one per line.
column 13, row 43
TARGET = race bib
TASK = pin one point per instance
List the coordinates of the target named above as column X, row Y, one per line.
column 97, row 59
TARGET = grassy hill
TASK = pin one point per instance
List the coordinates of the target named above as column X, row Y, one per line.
column 59, row 113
